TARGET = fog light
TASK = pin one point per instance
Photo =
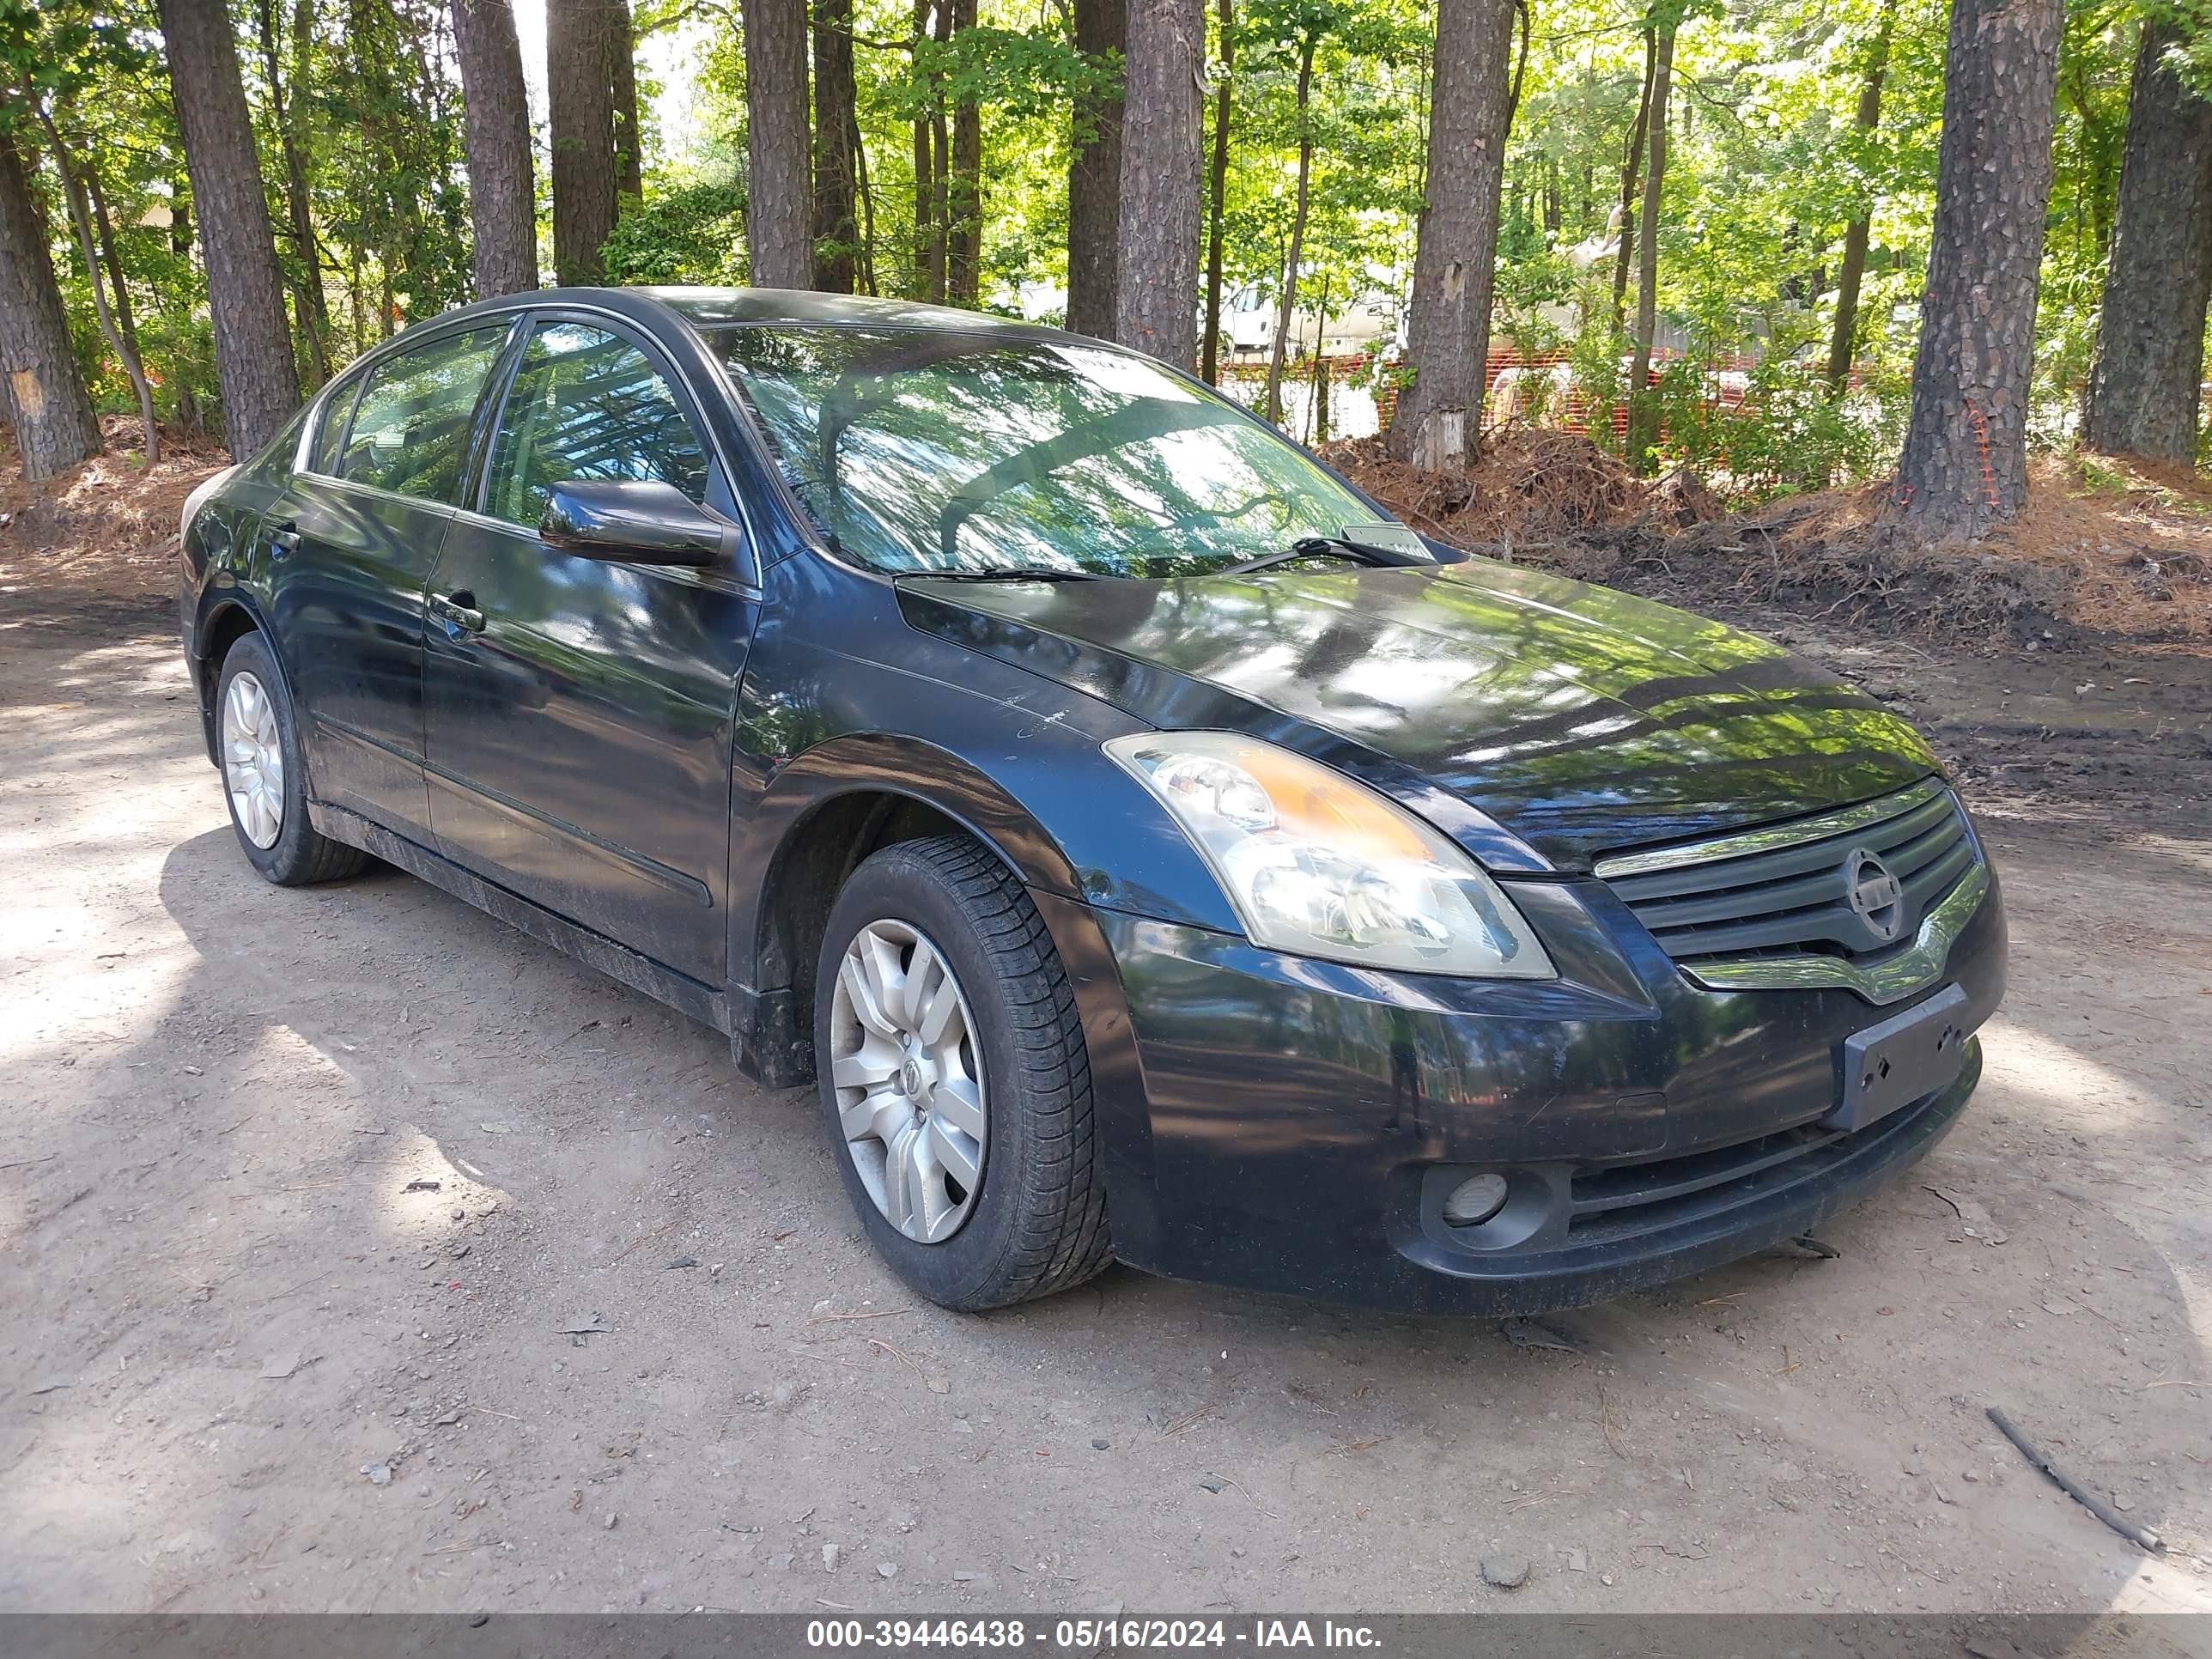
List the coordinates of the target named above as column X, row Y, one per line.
column 1475, row 1200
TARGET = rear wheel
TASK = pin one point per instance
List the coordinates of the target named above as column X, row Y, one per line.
column 264, row 775
column 955, row 1080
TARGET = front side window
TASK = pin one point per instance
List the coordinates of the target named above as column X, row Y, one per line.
column 935, row 450
column 586, row 404
column 324, row 457
column 410, row 430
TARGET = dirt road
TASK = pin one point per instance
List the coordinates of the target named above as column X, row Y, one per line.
column 298, row 1191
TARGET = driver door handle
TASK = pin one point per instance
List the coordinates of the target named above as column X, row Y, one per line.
column 458, row 612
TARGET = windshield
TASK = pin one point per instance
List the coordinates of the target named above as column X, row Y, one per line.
column 929, row 450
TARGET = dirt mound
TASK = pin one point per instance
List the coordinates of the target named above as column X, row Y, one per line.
column 104, row 531
column 2104, row 547
column 1527, row 485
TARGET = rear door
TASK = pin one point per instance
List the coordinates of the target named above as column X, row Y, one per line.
column 350, row 545
column 578, row 712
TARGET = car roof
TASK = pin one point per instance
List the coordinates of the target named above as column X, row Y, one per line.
column 727, row 307
column 709, row 308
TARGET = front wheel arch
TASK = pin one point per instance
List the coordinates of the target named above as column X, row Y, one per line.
column 831, row 811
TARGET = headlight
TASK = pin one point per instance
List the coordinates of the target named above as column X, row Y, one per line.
column 1320, row 866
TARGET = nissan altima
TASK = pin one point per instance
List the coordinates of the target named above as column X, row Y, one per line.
column 1149, row 847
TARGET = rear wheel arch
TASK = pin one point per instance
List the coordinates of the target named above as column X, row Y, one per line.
column 224, row 626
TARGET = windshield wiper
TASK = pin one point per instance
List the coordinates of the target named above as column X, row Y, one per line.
column 1010, row 573
column 1326, row 547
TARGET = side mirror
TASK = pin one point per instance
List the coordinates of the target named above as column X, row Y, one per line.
column 636, row 521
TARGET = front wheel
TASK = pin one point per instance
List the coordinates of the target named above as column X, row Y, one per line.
column 264, row 775
column 955, row 1080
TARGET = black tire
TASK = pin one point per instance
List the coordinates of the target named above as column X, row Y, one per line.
column 1038, row 1220
column 299, row 855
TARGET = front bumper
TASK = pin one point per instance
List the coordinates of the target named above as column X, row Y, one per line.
column 1292, row 1125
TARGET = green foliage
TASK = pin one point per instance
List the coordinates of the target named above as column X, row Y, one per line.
column 1768, row 165
column 1788, row 434
column 692, row 233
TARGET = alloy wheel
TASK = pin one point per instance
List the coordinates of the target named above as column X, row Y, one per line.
column 910, row 1100
column 253, row 759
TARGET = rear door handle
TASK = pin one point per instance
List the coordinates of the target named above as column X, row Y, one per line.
column 283, row 538
column 458, row 612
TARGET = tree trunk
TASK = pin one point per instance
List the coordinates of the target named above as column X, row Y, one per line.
column 836, row 231
column 1209, row 346
column 2144, row 385
column 502, row 194
column 779, row 195
column 940, row 143
column 80, row 213
column 1643, row 412
column 309, row 306
column 858, row 148
column 104, row 228
column 928, row 216
column 622, row 97
column 1285, row 311
column 579, row 102
column 1094, row 177
column 1162, row 175
column 40, row 382
column 1843, row 343
column 1965, row 462
column 1317, row 416
column 1631, row 168
column 246, row 287
column 1439, row 414
column 963, row 212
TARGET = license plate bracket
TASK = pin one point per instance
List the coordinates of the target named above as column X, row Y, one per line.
column 1901, row 1060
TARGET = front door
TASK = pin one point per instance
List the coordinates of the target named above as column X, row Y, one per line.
column 579, row 711
column 351, row 542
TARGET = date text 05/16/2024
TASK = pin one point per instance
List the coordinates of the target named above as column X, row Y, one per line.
column 1088, row 1635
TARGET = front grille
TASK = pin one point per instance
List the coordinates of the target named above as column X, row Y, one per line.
column 1782, row 890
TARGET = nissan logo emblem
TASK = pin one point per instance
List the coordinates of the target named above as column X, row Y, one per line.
column 1877, row 897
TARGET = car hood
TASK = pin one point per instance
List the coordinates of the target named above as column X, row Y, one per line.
column 1576, row 718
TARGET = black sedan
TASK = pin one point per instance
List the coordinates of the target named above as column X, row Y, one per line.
column 1153, row 850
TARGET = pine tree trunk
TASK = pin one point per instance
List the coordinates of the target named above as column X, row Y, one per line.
column 1439, row 415
column 1287, row 309
column 1642, row 410
column 1162, row 175
column 621, row 95
column 41, row 385
column 1216, row 206
column 579, row 103
column 964, row 229
column 246, row 287
column 779, row 193
column 2144, row 386
column 1843, row 342
column 1094, row 179
column 503, row 198
column 1965, row 461
column 836, row 231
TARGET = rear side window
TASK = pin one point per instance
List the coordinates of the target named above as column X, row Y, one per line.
column 410, row 431
column 586, row 404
